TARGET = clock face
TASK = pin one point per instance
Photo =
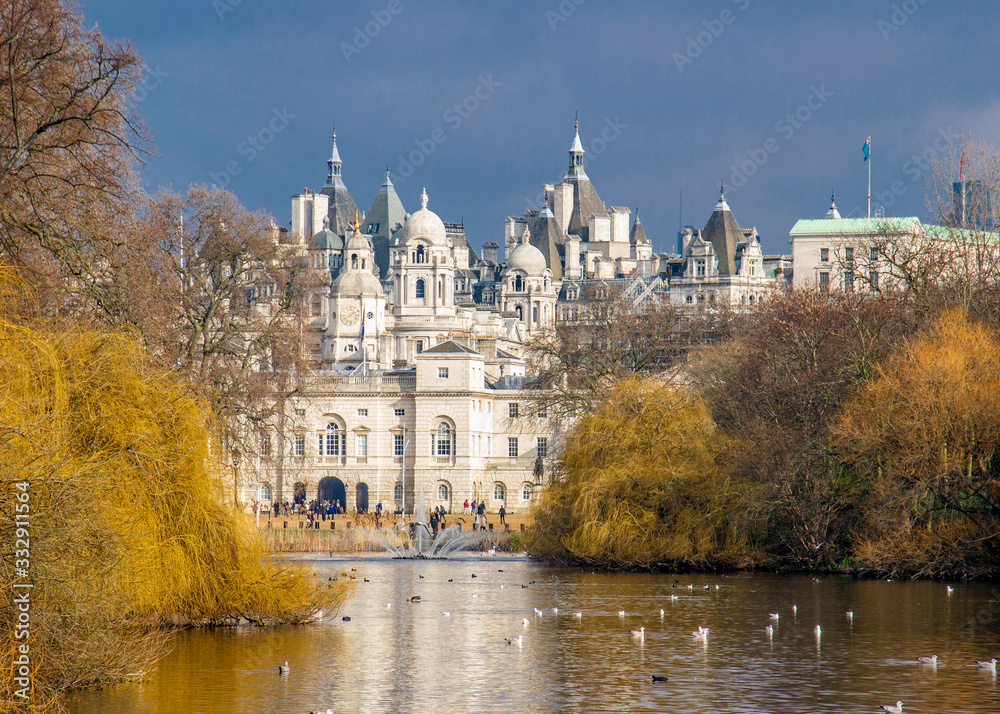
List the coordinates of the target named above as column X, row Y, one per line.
column 350, row 315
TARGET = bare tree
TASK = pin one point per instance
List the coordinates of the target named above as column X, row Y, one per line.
column 69, row 141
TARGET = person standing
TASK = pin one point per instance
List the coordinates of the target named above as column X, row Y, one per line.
column 482, row 514
column 503, row 515
column 465, row 507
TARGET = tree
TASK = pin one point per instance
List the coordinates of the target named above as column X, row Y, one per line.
column 120, row 471
column 926, row 432
column 69, row 140
column 609, row 338
column 641, row 484
column 773, row 390
column 218, row 294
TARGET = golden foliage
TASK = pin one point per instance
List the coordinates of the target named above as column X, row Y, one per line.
column 129, row 529
column 926, row 432
column 642, row 486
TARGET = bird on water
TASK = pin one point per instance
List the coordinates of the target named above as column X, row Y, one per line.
column 893, row 709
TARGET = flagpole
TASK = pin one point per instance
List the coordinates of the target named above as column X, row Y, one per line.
column 869, row 175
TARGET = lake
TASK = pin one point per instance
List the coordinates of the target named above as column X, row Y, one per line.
column 400, row 656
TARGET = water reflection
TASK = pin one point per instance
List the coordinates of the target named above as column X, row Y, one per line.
column 577, row 654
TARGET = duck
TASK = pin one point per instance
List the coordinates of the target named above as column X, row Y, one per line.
column 657, row 678
column 414, row 598
column 769, row 630
column 775, row 615
column 283, row 668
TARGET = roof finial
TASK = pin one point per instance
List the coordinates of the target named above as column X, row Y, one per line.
column 722, row 190
column 423, row 198
column 577, row 121
column 833, row 195
column 526, row 235
column 335, row 132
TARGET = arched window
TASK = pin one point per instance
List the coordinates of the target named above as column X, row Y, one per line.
column 264, row 492
column 526, row 492
column 518, row 284
column 499, row 492
column 420, row 254
column 354, row 261
column 333, row 442
column 420, row 288
column 397, row 492
column 444, row 439
column 517, row 311
column 534, row 314
column 442, row 492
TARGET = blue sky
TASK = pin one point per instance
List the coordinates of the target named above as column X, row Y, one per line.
column 776, row 98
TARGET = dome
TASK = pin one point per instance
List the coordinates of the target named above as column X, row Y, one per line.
column 358, row 242
column 424, row 224
column 527, row 258
column 356, row 283
column 327, row 240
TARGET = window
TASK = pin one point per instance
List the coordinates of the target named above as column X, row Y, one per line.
column 350, row 348
column 420, row 289
column 397, row 444
column 849, row 255
column 299, row 445
column 420, row 346
column 264, row 492
column 526, row 492
column 361, row 445
column 824, row 255
column 397, row 492
column 512, row 410
column 873, row 253
column 689, row 299
column 442, row 373
column 442, row 492
column 541, row 411
column 335, row 442
column 499, row 492
column 848, row 282
column 512, row 446
column 400, row 412
column 543, row 446
column 873, row 279
column 420, row 259
column 265, row 445
column 300, row 412
column 373, row 228
column 317, row 305
column 824, row 282
column 362, row 412
column 700, row 268
column 534, row 314
column 444, row 439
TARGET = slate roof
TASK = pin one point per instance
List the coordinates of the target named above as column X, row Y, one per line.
column 725, row 234
column 546, row 235
column 637, row 236
column 386, row 212
column 449, row 347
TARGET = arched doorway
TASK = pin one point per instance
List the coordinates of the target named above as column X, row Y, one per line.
column 331, row 489
column 362, row 498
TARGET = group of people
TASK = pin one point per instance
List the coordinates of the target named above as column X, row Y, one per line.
column 311, row 510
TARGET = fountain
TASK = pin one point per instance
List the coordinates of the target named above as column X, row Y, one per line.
column 413, row 539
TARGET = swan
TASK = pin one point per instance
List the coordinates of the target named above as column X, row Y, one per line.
column 769, row 630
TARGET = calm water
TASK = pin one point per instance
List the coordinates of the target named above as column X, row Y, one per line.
column 411, row 658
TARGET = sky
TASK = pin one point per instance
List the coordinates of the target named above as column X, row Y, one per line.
column 476, row 101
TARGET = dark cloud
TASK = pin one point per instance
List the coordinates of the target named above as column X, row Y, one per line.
column 701, row 87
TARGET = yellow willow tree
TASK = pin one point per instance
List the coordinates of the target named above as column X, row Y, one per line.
column 926, row 433
column 128, row 525
column 642, row 486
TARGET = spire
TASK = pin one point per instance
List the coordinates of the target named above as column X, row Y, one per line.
column 423, row 199
column 833, row 213
column 334, row 163
column 722, row 205
column 388, row 181
column 577, row 147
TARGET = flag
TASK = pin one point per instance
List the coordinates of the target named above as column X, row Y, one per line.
column 867, row 147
